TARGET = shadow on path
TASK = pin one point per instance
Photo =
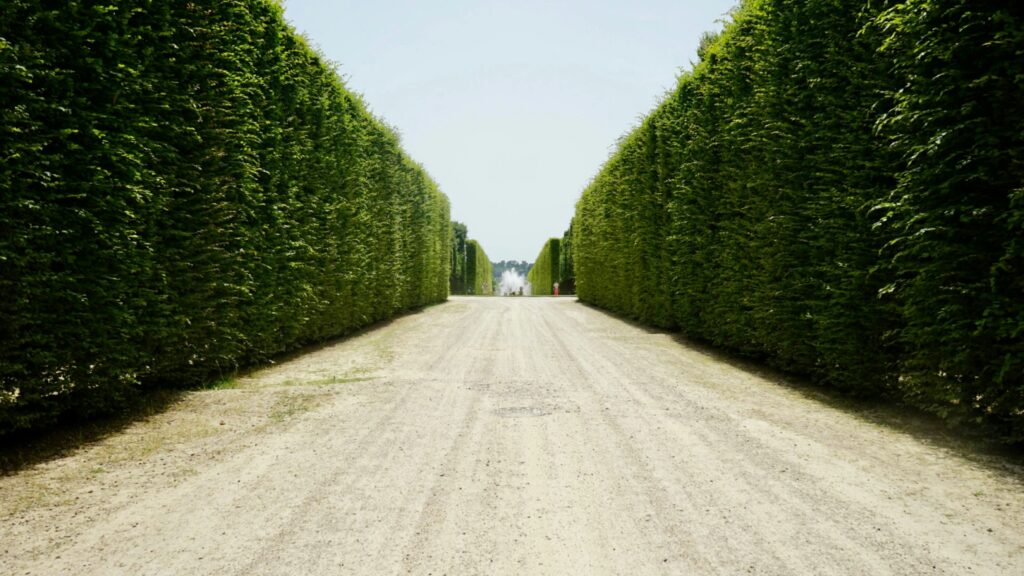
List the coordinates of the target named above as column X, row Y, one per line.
column 967, row 442
column 27, row 448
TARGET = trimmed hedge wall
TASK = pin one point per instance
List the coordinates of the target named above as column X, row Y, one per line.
column 479, row 270
column 186, row 188
column 566, row 266
column 838, row 188
column 457, row 278
column 545, row 271
column 471, row 269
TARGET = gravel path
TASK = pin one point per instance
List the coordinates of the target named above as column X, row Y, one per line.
column 512, row 436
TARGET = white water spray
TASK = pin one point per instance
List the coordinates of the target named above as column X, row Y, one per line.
column 513, row 284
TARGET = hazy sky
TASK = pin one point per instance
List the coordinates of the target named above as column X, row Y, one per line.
column 513, row 105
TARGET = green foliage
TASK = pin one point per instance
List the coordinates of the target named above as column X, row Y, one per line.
column 566, row 267
column 471, row 270
column 835, row 188
column 479, row 272
column 457, row 280
column 186, row 188
column 956, row 259
column 545, row 271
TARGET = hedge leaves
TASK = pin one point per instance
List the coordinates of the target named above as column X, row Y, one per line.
column 546, row 269
column 836, row 187
column 187, row 187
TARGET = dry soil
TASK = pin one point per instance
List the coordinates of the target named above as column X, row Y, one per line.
column 513, row 436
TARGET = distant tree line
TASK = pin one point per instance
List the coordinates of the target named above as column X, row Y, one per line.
column 836, row 187
column 185, row 188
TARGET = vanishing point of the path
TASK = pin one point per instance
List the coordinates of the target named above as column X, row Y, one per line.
column 512, row 436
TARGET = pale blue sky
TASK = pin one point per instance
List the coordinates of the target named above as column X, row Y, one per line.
column 512, row 106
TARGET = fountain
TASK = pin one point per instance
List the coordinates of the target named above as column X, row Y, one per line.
column 513, row 284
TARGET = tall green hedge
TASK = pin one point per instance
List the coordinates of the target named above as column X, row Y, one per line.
column 546, row 269
column 186, row 188
column 471, row 269
column 457, row 277
column 836, row 187
column 479, row 270
column 956, row 213
column 566, row 266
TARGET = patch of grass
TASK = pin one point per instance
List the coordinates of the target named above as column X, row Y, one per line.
column 226, row 383
column 337, row 380
column 292, row 405
column 28, row 494
column 348, row 378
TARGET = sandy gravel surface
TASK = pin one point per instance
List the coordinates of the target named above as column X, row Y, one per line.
column 512, row 436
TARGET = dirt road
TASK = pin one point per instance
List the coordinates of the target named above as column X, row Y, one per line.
column 512, row 436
